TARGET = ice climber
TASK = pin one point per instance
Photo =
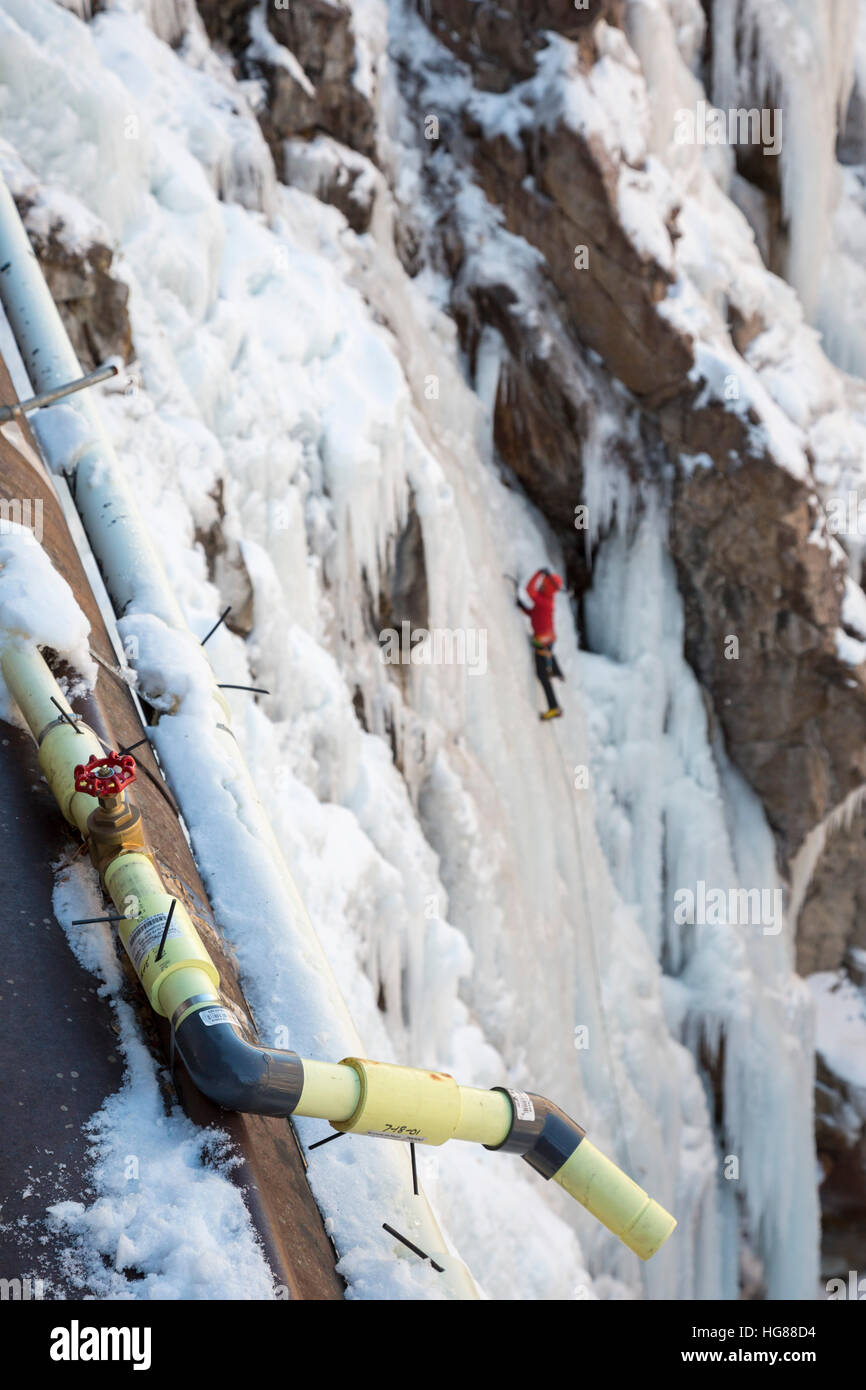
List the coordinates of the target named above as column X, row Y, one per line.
column 542, row 590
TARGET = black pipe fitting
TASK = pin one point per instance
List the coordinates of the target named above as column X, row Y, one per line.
column 236, row 1074
column 540, row 1133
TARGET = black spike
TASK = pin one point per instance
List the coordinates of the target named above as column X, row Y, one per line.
column 319, row 1142
column 414, row 1170
column 65, row 716
column 410, row 1246
column 221, row 619
column 122, row 752
column 165, row 930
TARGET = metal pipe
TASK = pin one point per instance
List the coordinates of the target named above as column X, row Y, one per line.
column 130, row 565
column 17, row 409
column 129, row 562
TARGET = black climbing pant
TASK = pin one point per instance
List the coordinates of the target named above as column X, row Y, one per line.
column 546, row 666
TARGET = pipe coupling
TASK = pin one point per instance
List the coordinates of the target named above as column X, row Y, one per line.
column 420, row 1107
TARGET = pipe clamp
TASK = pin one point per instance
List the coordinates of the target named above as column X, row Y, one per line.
column 71, row 718
column 190, row 1003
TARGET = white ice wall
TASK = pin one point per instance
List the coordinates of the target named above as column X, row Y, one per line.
column 499, row 906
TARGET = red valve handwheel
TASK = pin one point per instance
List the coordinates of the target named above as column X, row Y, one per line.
column 105, row 775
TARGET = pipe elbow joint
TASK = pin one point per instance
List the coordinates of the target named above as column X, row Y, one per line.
column 556, row 1147
column 237, row 1074
column 542, row 1134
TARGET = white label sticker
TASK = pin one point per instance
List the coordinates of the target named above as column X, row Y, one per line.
column 409, row 1136
column 523, row 1107
column 219, row 1015
column 147, row 935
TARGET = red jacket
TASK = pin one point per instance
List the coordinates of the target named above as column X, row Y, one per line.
column 542, row 589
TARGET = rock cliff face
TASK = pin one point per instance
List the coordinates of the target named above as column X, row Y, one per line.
column 593, row 358
column 586, row 336
column 322, row 38
column 793, row 713
column 318, row 95
column 762, row 583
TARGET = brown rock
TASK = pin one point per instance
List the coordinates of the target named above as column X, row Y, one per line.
column 559, row 192
column 499, row 38
column 335, row 175
column 320, row 94
column 227, row 22
column 833, row 916
column 793, row 714
column 226, row 568
column 92, row 302
column 320, row 35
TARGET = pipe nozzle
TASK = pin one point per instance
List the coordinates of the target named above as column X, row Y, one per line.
column 615, row 1200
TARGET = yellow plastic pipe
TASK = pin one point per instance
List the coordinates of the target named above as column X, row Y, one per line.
column 422, row 1107
column 615, row 1201
column 331, row 1091
column 356, row 1095
column 62, row 745
column 139, row 895
column 425, row 1107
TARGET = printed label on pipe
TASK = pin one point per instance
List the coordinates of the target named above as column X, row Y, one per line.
column 210, row 1017
column 523, row 1107
column 147, row 935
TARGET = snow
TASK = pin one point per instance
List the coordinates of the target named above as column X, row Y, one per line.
column 50, row 214
column 854, row 608
column 803, row 63
column 607, row 106
column 265, row 48
column 166, row 1220
column 848, row 649
column 672, row 813
column 806, row 58
column 725, row 378
column 37, row 605
column 312, row 165
column 840, row 1023
column 478, row 906
column 810, row 415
